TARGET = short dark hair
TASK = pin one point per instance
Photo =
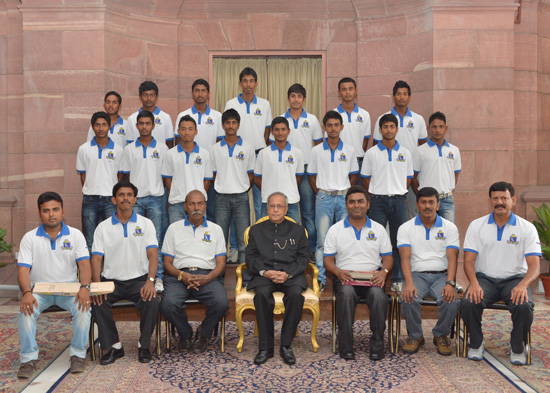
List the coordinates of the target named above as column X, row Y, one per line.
column 122, row 184
column 280, row 120
column 148, row 85
column 355, row 190
column 427, row 192
column 187, row 118
column 437, row 116
column 388, row 118
column 101, row 115
column 145, row 113
column 49, row 196
column 201, row 82
column 332, row 115
column 347, row 79
column 231, row 114
column 502, row 186
column 113, row 93
column 248, row 71
column 296, row 88
column 401, row 85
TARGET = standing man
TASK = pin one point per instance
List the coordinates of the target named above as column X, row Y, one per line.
column 194, row 259
column 233, row 167
column 305, row 132
column 256, row 118
column 437, row 164
column 356, row 131
column 98, row 163
column 280, row 167
column 333, row 170
column 187, row 167
column 358, row 243
column 387, row 173
column 126, row 243
column 428, row 246
column 412, row 129
column 277, row 256
column 120, row 131
column 53, row 252
column 501, row 259
column 142, row 164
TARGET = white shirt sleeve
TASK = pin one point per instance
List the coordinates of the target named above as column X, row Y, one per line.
column 125, row 167
column 81, row 162
column 417, row 161
column 81, row 249
column 208, row 175
column 91, row 134
column 531, row 242
column 151, row 234
column 471, row 239
column 168, row 244
column 268, row 117
column 25, row 250
column 410, row 172
column 453, row 238
column 423, row 133
column 176, row 125
column 457, row 161
column 385, row 243
column 168, row 165
column 98, row 247
column 316, row 132
column 367, row 124
column 312, row 166
column 330, row 247
column 403, row 236
column 376, row 131
column 168, row 127
column 299, row 163
column 259, row 161
column 251, row 159
column 354, row 167
column 221, row 246
column 366, row 169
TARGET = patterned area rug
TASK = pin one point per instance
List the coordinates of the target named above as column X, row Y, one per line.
column 53, row 335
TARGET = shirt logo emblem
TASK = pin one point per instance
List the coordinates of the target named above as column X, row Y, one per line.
column 343, row 158
column 290, row 160
column 305, row 124
column 67, row 245
column 158, row 122
column 138, row 232
column 451, row 156
column 258, row 112
column 440, row 235
column 359, row 119
column 110, row 156
column 209, row 122
column 400, row 158
column 206, row 238
column 371, row 236
column 240, row 156
column 155, row 155
column 198, row 160
column 513, row 240
column 121, row 131
column 410, row 125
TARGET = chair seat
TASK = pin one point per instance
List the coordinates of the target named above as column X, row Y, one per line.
column 246, row 298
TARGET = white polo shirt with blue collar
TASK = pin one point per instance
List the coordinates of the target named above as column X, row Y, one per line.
column 356, row 128
column 209, row 126
column 192, row 246
column 144, row 165
column 304, row 132
column 119, row 132
column 357, row 250
column 333, row 167
column 412, row 129
column 163, row 131
column 436, row 166
column 124, row 246
column 278, row 170
column 387, row 169
column 53, row 260
column 501, row 251
column 101, row 167
column 255, row 117
column 188, row 171
column 232, row 166
column 428, row 245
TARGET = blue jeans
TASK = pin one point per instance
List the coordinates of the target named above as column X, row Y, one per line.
column 330, row 210
column 165, row 216
column 27, row 326
column 211, row 204
column 393, row 211
column 293, row 211
column 447, row 208
column 95, row 208
column 151, row 207
column 307, row 208
column 177, row 212
column 432, row 285
column 257, row 198
column 234, row 208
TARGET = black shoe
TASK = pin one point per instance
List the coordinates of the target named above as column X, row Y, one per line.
column 376, row 355
column 288, row 355
column 112, row 355
column 347, row 355
column 144, row 355
column 185, row 345
column 263, row 355
column 200, row 343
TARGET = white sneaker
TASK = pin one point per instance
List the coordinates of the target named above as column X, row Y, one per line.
column 397, row 287
column 476, row 353
column 159, row 286
column 519, row 359
column 233, row 256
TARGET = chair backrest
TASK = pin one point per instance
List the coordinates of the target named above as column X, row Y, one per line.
column 265, row 218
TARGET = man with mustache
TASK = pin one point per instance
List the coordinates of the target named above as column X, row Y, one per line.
column 428, row 246
column 194, row 253
column 501, row 259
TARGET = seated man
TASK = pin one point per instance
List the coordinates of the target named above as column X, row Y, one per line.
column 127, row 244
column 360, row 244
column 501, row 259
column 428, row 246
column 277, row 256
column 194, row 262
column 52, row 253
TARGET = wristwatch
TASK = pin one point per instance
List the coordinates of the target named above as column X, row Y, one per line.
column 152, row 279
column 87, row 286
column 180, row 276
column 451, row 283
column 386, row 270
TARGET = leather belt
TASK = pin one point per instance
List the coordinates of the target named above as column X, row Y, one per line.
column 442, row 196
column 333, row 193
column 435, row 272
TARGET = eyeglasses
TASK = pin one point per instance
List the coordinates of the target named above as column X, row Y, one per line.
column 278, row 207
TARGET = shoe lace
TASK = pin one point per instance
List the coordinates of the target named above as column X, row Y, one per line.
column 445, row 340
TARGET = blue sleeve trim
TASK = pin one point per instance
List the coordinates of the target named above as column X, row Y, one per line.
column 80, row 171
column 151, row 246
column 329, row 255
column 208, row 178
column 312, row 173
column 416, row 171
column 168, row 255
column 219, row 255
column 458, row 170
column 410, row 177
column 470, row 250
column 125, row 172
column 533, row 253
column 404, row 245
column 81, row 259
column 300, row 174
column 318, row 140
column 24, row 264
column 169, row 139
column 256, row 174
column 366, row 177
column 250, row 171
column 97, row 253
column 423, row 139
column 385, row 254
column 354, row 173
column 377, row 140
column 166, row 176
column 455, row 247
column 214, row 172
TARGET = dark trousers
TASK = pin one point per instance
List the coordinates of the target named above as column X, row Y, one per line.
column 493, row 291
column 212, row 295
column 126, row 290
column 264, row 302
column 347, row 297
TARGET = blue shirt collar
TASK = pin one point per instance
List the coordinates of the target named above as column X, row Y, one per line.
column 152, row 144
column 303, row 114
column 119, row 121
column 394, row 112
column 156, row 111
column 382, row 147
column 241, row 100
column 110, row 145
column 195, row 111
column 187, row 223
column 287, row 147
column 223, row 142
column 432, row 143
column 438, row 221
column 63, row 232
column 511, row 221
column 327, row 147
column 368, row 224
column 342, row 110
column 115, row 220
column 195, row 149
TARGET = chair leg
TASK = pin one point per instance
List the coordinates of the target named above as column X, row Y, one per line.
column 239, row 320
column 529, row 347
column 256, row 333
column 465, row 343
column 223, row 334
column 316, row 315
column 457, row 333
column 333, row 324
column 91, row 340
column 159, row 336
column 167, row 326
column 397, row 313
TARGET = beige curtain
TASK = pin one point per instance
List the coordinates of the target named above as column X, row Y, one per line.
column 275, row 76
